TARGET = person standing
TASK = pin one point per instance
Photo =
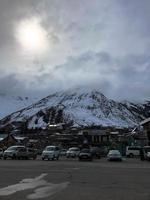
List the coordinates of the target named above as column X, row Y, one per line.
column 142, row 157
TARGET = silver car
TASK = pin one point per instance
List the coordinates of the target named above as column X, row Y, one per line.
column 114, row 155
column 12, row 152
column 85, row 154
column 73, row 152
column 51, row 153
column 19, row 152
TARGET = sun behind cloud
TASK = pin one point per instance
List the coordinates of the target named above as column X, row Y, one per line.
column 32, row 36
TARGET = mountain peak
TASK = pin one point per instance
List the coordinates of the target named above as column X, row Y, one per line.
column 79, row 107
column 83, row 90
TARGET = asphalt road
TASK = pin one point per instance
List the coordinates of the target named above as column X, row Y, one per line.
column 73, row 180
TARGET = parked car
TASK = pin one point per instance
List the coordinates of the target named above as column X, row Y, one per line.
column 51, row 153
column 63, row 152
column 32, row 153
column 39, row 151
column 96, row 152
column 133, row 151
column 12, row 152
column 72, row 152
column 85, row 154
column 19, row 152
column 146, row 150
column 1, row 153
column 147, row 156
column 114, row 155
column 103, row 151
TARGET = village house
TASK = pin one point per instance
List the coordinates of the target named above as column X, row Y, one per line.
column 146, row 126
column 94, row 136
column 7, row 140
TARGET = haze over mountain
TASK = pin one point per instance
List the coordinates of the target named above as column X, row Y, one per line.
column 10, row 103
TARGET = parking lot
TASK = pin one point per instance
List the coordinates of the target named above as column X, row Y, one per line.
column 69, row 179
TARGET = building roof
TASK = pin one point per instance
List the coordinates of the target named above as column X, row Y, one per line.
column 145, row 121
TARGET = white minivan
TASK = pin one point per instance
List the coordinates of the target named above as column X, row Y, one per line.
column 51, row 153
column 133, row 151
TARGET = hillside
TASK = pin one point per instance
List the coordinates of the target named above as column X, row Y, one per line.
column 79, row 107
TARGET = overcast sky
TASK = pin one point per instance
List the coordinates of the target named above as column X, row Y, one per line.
column 48, row 45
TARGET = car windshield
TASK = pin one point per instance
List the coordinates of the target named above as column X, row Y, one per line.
column 95, row 149
column 85, row 150
column 114, row 152
column 73, row 149
column 50, row 148
column 13, row 148
column 63, row 150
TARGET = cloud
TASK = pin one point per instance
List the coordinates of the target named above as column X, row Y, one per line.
column 97, row 43
column 118, row 78
column 10, row 84
column 123, row 78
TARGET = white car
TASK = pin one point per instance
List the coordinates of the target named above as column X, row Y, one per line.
column 51, row 153
column 73, row 152
column 133, row 151
column 114, row 155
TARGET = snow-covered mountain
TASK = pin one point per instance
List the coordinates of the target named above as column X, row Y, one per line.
column 11, row 103
column 79, row 107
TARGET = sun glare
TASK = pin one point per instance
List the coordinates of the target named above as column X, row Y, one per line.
column 32, row 36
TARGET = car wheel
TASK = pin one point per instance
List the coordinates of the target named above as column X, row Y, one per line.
column 43, row 158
